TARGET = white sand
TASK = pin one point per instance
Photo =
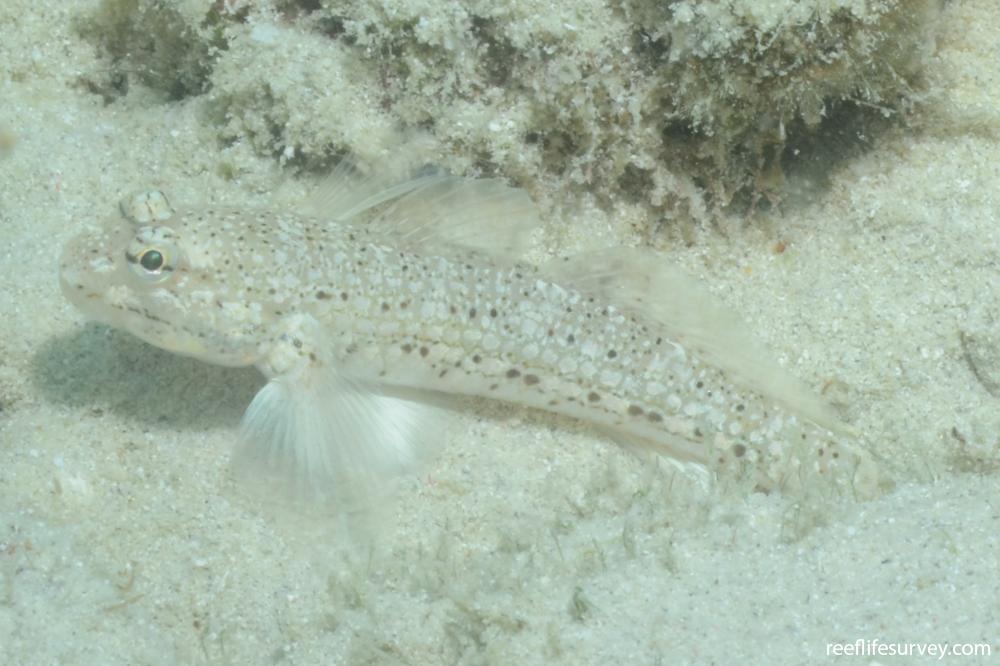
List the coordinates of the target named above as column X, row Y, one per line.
column 531, row 540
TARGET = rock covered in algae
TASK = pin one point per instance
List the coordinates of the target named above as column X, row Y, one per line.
column 691, row 107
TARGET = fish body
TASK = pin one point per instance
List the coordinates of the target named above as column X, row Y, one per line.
column 363, row 311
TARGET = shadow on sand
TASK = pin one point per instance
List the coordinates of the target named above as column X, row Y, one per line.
column 108, row 370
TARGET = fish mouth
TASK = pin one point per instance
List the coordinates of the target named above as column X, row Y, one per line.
column 75, row 291
column 113, row 304
column 86, row 270
column 95, row 277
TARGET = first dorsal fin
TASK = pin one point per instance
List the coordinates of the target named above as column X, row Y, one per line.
column 431, row 213
column 349, row 191
column 485, row 216
column 641, row 283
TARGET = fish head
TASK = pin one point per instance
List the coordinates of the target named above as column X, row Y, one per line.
column 134, row 272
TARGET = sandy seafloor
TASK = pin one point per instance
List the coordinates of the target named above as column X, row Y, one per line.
column 529, row 540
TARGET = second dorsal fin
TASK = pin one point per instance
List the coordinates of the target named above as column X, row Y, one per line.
column 641, row 283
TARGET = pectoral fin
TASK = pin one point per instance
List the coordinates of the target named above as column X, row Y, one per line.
column 313, row 438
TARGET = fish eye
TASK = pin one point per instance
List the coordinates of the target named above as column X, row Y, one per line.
column 153, row 254
column 152, row 264
column 151, row 260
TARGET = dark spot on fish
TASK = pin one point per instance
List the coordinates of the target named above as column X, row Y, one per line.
column 655, row 417
column 343, row 295
column 531, row 380
column 424, row 351
column 407, row 348
column 612, row 353
column 493, row 312
column 570, row 339
column 513, row 373
column 593, row 397
column 477, row 358
column 634, row 410
column 472, row 312
column 322, row 295
column 739, row 450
